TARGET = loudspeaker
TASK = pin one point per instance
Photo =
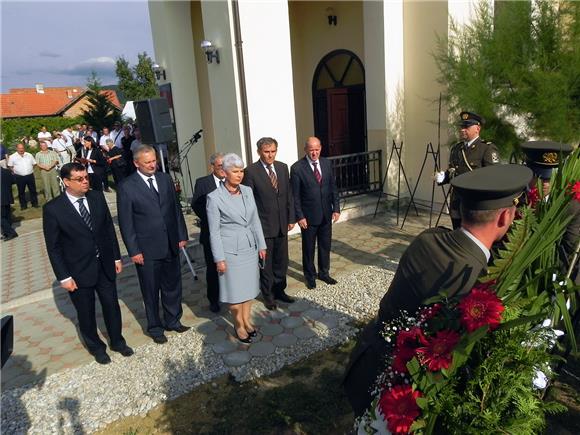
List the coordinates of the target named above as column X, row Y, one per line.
column 154, row 121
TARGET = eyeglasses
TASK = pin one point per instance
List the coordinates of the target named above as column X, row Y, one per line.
column 80, row 179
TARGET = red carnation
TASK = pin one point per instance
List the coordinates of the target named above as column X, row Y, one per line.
column 533, row 197
column 438, row 353
column 480, row 308
column 399, row 407
column 575, row 191
column 407, row 344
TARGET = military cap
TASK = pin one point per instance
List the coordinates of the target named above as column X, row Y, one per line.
column 492, row 187
column 467, row 119
column 543, row 155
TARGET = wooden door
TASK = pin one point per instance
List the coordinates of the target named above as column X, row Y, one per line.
column 338, row 141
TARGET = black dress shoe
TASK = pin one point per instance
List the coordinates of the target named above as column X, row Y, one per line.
column 181, row 329
column 310, row 284
column 160, row 339
column 246, row 340
column 102, row 358
column 271, row 305
column 328, row 279
column 253, row 333
column 282, row 296
column 214, row 308
column 125, row 351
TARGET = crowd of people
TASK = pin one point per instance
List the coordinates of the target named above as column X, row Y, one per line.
column 246, row 212
column 245, row 215
column 52, row 150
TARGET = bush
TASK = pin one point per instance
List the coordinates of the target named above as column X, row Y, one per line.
column 14, row 129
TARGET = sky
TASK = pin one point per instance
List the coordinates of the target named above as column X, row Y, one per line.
column 60, row 43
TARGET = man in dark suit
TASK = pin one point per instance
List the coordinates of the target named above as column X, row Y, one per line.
column 6, row 182
column 316, row 207
column 204, row 186
column 153, row 229
column 270, row 183
column 439, row 259
column 82, row 247
column 469, row 154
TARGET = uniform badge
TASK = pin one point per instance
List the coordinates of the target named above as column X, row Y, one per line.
column 550, row 158
column 494, row 157
column 465, row 116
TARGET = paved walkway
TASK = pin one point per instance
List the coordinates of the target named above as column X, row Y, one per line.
column 46, row 336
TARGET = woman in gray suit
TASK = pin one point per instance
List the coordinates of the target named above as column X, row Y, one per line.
column 237, row 243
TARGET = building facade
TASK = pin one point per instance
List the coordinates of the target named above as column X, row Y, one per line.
column 358, row 74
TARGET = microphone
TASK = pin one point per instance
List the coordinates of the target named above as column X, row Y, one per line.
column 197, row 135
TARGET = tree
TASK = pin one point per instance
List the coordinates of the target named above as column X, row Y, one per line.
column 100, row 112
column 517, row 66
column 137, row 83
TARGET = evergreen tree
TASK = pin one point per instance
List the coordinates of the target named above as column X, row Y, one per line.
column 517, row 66
column 137, row 83
column 100, row 112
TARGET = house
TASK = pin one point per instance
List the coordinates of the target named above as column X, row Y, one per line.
column 67, row 102
column 357, row 74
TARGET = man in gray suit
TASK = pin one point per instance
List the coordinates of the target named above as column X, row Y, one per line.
column 153, row 229
column 270, row 182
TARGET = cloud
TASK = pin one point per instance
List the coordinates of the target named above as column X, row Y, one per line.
column 103, row 66
column 46, row 53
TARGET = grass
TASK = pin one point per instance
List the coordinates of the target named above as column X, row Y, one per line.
column 303, row 398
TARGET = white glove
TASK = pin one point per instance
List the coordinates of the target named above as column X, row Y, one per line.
column 439, row 177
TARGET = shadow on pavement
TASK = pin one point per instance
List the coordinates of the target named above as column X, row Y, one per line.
column 15, row 418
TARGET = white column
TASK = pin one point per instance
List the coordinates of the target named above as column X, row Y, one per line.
column 173, row 44
column 223, row 77
column 384, row 69
column 267, row 56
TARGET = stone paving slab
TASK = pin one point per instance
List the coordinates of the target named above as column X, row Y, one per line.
column 46, row 337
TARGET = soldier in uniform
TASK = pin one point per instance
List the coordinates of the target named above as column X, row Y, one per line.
column 542, row 157
column 469, row 154
column 439, row 259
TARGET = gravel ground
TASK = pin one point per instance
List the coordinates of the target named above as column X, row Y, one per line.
column 87, row 398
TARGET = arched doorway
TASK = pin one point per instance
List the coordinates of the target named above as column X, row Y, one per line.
column 338, row 93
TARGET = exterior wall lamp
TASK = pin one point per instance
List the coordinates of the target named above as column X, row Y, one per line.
column 159, row 71
column 331, row 15
column 211, row 51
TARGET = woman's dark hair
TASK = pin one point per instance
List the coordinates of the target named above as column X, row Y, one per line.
column 91, row 140
column 68, row 168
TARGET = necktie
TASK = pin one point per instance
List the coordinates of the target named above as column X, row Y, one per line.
column 86, row 217
column 152, row 187
column 85, row 213
column 317, row 174
column 273, row 178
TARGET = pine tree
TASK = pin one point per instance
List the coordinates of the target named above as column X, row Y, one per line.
column 100, row 112
column 137, row 83
column 517, row 66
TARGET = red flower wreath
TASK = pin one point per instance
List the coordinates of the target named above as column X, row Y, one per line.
column 533, row 197
column 407, row 344
column 399, row 407
column 480, row 308
column 575, row 190
column 438, row 353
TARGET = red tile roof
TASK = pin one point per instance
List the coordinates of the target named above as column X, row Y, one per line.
column 24, row 102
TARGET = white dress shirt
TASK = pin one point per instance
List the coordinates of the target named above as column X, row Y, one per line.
column 146, row 178
column 478, row 243
column 317, row 165
column 22, row 164
column 217, row 181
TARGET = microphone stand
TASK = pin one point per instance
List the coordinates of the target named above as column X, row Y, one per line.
column 182, row 155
